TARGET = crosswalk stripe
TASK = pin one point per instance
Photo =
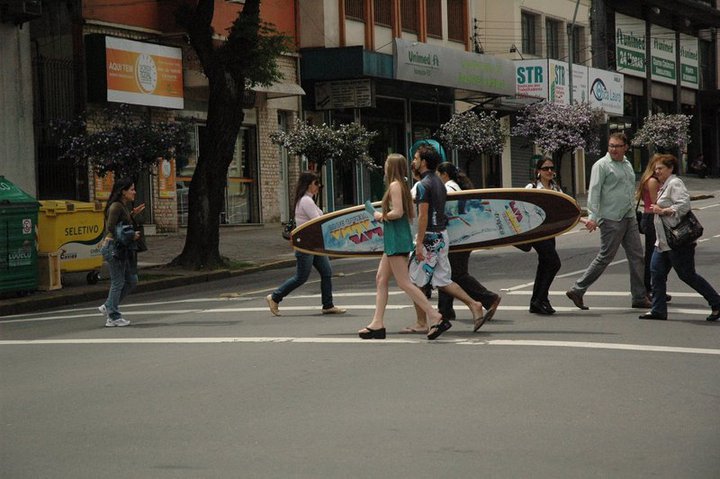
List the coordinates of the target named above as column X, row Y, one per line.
column 286, row 340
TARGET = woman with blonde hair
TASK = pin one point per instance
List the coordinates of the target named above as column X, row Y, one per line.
column 646, row 193
column 397, row 211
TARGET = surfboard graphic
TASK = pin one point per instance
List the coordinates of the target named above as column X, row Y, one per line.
column 477, row 219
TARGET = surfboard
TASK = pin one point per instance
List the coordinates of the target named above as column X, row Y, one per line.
column 478, row 219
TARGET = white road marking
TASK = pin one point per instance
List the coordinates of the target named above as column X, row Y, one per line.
column 463, row 342
column 54, row 316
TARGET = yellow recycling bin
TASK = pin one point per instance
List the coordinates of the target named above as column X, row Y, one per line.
column 74, row 230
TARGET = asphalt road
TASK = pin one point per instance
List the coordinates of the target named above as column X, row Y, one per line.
column 205, row 383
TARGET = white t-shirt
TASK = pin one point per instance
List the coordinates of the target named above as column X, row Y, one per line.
column 306, row 209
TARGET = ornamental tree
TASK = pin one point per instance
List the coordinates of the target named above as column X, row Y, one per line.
column 472, row 132
column 122, row 141
column 664, row 131
column 344, row 144
column 559, row 128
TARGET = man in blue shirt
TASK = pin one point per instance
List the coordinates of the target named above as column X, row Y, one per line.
column 611, row 207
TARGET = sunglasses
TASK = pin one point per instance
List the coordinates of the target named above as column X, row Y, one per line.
column 547, row 168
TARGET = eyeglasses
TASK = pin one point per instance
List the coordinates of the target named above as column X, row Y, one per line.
column 548, row 168
column 615, row 146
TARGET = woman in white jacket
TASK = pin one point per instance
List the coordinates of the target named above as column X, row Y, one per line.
column 673, row 202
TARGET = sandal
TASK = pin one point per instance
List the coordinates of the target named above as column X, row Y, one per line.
column 413, row 330
column 438, row 328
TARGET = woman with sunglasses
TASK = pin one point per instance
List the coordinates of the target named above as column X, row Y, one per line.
column 308, row 186
column 548, row 259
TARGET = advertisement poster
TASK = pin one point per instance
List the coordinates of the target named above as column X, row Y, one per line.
column 689, row 65
column 103, row 186
column 630, row 45
column 166, row 179
column 662, row 49
column 143, row 73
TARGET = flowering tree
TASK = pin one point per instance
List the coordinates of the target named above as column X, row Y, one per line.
column 345, row 144
column 664, row 131
column 558, row 128
column 121, row 141
column 473, row 132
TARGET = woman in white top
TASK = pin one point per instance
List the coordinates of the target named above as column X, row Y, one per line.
column 673, row 203
column 548, row 259
column 307, row 188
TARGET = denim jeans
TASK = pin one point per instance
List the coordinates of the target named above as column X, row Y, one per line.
column 123, row 279
column 614, row 234
column 683, row 261
column 304, row 265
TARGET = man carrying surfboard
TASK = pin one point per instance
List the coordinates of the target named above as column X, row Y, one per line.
column 429, row 262
column 611, row 206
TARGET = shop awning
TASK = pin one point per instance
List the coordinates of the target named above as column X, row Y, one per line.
column 280, row 90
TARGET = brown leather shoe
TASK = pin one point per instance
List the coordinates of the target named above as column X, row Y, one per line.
column 576, row 299
column 643, row 304
column 334, row 310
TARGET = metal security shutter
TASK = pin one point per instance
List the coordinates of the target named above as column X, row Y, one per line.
column 520, row 163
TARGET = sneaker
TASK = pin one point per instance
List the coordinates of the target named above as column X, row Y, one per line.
column 120, row 322
column 103, row 310
column 272, row 305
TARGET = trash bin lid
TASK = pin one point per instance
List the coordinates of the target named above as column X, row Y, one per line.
column 10, row 194
column 55, row 207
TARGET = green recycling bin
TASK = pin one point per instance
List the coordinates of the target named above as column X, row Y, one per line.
column 18, row 251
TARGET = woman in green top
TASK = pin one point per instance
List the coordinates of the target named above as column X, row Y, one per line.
column 397, row 210
column 120, row 253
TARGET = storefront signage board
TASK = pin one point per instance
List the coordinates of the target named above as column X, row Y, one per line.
column 434, row 65
column 334, row 95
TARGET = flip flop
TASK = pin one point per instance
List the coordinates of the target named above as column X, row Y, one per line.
column 411, row 330
column 438, row 328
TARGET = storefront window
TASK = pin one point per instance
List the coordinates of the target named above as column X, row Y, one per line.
column 241, row 192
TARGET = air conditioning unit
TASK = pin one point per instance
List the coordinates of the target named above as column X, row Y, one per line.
column 20, row 11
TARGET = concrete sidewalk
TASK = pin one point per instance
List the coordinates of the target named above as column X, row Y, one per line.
column 254, row 247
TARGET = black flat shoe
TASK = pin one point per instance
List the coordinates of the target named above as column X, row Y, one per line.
column 714, row 316
column 539, row 308
column 372, row 333
column 652, row 315
column 549, row 307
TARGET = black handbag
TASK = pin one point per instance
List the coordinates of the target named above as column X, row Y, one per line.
column 287, row 228
column 639, row 215
column 686, row 232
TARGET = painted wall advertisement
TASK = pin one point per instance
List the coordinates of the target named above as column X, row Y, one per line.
column 630, row 51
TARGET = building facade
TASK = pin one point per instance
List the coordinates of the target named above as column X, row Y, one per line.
column 82, row 53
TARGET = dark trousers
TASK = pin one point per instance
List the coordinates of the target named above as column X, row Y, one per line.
column 459, row 267
column 547, row 268
column 649, row 232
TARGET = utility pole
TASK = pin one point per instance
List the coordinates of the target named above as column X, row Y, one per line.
column 571, row 59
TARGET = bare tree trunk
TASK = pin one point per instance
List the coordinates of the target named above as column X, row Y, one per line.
column 225, row 117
